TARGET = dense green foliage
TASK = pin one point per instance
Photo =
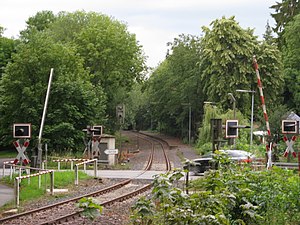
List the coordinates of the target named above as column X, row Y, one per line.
column 181, row 87
column 284, row 13
column 73, row 101
column 230, row 195
column 207, row 69
column 291, row 59
column 96, row 61
column 98, row 64
column 7, row 47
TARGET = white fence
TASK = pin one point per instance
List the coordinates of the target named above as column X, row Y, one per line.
column 42, row 172
column 84, row 165
column 18, row 179
column 59, row 161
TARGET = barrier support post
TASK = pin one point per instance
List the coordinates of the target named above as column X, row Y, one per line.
column 52, row 182
column 72, row 165
column 95, row 168
column 58, row 166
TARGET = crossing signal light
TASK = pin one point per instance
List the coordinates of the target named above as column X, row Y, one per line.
column 290, row 127
column 120, row 111
column 231, row 128
column 22, row 130
column 97, row 131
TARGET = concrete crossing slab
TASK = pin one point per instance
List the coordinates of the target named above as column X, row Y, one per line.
column 6, row 194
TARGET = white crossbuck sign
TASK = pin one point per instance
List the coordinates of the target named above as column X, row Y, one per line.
column 21, row 157
column 289, row 144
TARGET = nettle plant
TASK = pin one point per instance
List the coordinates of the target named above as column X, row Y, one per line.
column 230, row 195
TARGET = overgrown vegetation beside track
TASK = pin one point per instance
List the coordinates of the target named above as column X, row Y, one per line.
column 230, row 195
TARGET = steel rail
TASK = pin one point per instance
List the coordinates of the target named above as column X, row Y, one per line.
column 121, row 198
column 95, row 193
column 162, row 143
column 128, row 195
column 102, row 191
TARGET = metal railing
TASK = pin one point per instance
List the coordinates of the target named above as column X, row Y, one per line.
column 84, row 168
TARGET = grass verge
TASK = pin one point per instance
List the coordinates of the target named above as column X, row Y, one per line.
column 30, row 190
column 9, row 153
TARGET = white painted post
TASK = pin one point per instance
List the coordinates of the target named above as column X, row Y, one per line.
column 76, row 175
column 39, row 179
column 72, row 164
column 20, row 172
column 17, row 192
column 58, row 166
column 11, row 172
column 28, row 172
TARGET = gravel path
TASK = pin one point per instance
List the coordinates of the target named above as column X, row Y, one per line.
column 140, row 150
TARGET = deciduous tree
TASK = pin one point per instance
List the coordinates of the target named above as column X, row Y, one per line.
column 73, row 102
column 291, row 59
column 226, row 64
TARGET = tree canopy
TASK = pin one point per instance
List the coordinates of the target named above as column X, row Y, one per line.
column 96, row 61
column 207, row 68
column 291, row 59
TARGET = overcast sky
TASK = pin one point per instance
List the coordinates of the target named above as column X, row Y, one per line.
column 155, row 22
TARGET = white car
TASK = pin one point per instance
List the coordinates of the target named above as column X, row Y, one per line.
column 205, row 163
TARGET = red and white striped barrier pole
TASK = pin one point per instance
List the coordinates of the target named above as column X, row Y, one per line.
column 259, row 84
column 262, row 98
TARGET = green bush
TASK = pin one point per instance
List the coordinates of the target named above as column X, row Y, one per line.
column 233, row 194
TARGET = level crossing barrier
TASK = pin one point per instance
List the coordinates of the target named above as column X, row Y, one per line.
column 84, row 165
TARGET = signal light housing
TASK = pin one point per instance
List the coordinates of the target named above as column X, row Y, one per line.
column 22, row 130
column 290, row 127
column 231, row 129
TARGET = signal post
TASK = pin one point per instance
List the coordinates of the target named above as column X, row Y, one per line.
column 21, row 131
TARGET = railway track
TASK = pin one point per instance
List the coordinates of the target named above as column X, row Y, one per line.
column 66, row 212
